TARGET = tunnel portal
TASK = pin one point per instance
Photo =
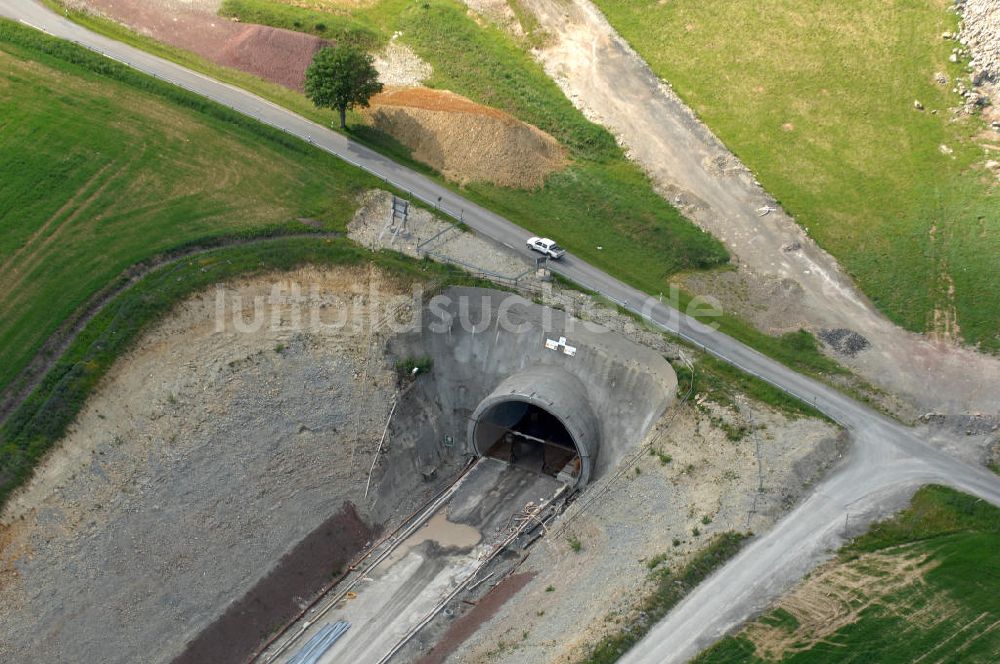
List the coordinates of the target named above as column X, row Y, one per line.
column 539, row 419
column 526, row 435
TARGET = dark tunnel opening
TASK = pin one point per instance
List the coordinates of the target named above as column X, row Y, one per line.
column 528, row 436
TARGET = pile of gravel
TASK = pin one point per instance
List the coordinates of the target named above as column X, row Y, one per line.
column 980, row 33
column 844, row 341
column 398, row 65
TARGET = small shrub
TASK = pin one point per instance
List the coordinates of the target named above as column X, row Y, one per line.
column 574, row 543
column 410, row 366
column 661, row 455
column 655, row 561
column 706, row 520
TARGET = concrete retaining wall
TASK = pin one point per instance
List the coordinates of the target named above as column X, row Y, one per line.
column 479, row 338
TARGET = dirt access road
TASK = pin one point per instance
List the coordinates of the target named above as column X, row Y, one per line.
column 612, row 85
column 888, row 460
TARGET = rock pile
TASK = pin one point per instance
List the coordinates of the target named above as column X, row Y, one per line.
column 844, row 341
column 980, row 34
column 398, row 65
column 979, row 45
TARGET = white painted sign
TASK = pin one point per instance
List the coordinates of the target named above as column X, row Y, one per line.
column 552, row 344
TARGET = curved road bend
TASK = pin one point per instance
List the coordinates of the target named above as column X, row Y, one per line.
column 886, row 463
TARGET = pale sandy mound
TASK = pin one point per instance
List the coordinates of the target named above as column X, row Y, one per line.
column 465, row 141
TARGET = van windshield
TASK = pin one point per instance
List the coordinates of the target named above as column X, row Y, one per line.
column 556, row 247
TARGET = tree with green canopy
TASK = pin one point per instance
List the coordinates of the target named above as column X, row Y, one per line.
column 342, row 77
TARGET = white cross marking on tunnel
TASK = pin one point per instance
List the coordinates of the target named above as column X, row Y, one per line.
column 552, row 344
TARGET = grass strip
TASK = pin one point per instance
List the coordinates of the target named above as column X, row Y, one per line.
column 45, row 416
column 670, row 589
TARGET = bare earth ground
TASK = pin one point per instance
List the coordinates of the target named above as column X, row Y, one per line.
column 639, row 517
column 465, row 141
column 209, row 455
column 498, row 12
column 206, row 455
column 609, row 82
column 276, row 55
column 596, row 589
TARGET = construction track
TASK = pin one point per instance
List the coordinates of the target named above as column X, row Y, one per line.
column 389, row 597
column 887, row 463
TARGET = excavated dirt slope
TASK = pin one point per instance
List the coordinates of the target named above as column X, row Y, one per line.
column 206, row 456
column 464, row 140
column 280, row 56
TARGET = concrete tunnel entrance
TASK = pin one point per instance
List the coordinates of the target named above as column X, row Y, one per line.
column 540, row 419
column 526, row 435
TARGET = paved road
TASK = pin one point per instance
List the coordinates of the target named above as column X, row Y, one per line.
column 886, row 464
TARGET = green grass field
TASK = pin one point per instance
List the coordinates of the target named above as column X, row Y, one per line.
column 918, row 587
column 817, row 98
column 106, row 169
column 102, row 171
column 602, row 199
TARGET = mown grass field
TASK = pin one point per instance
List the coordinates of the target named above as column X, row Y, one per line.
column 817, row 98
column 918, row 587
column 104, row 168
